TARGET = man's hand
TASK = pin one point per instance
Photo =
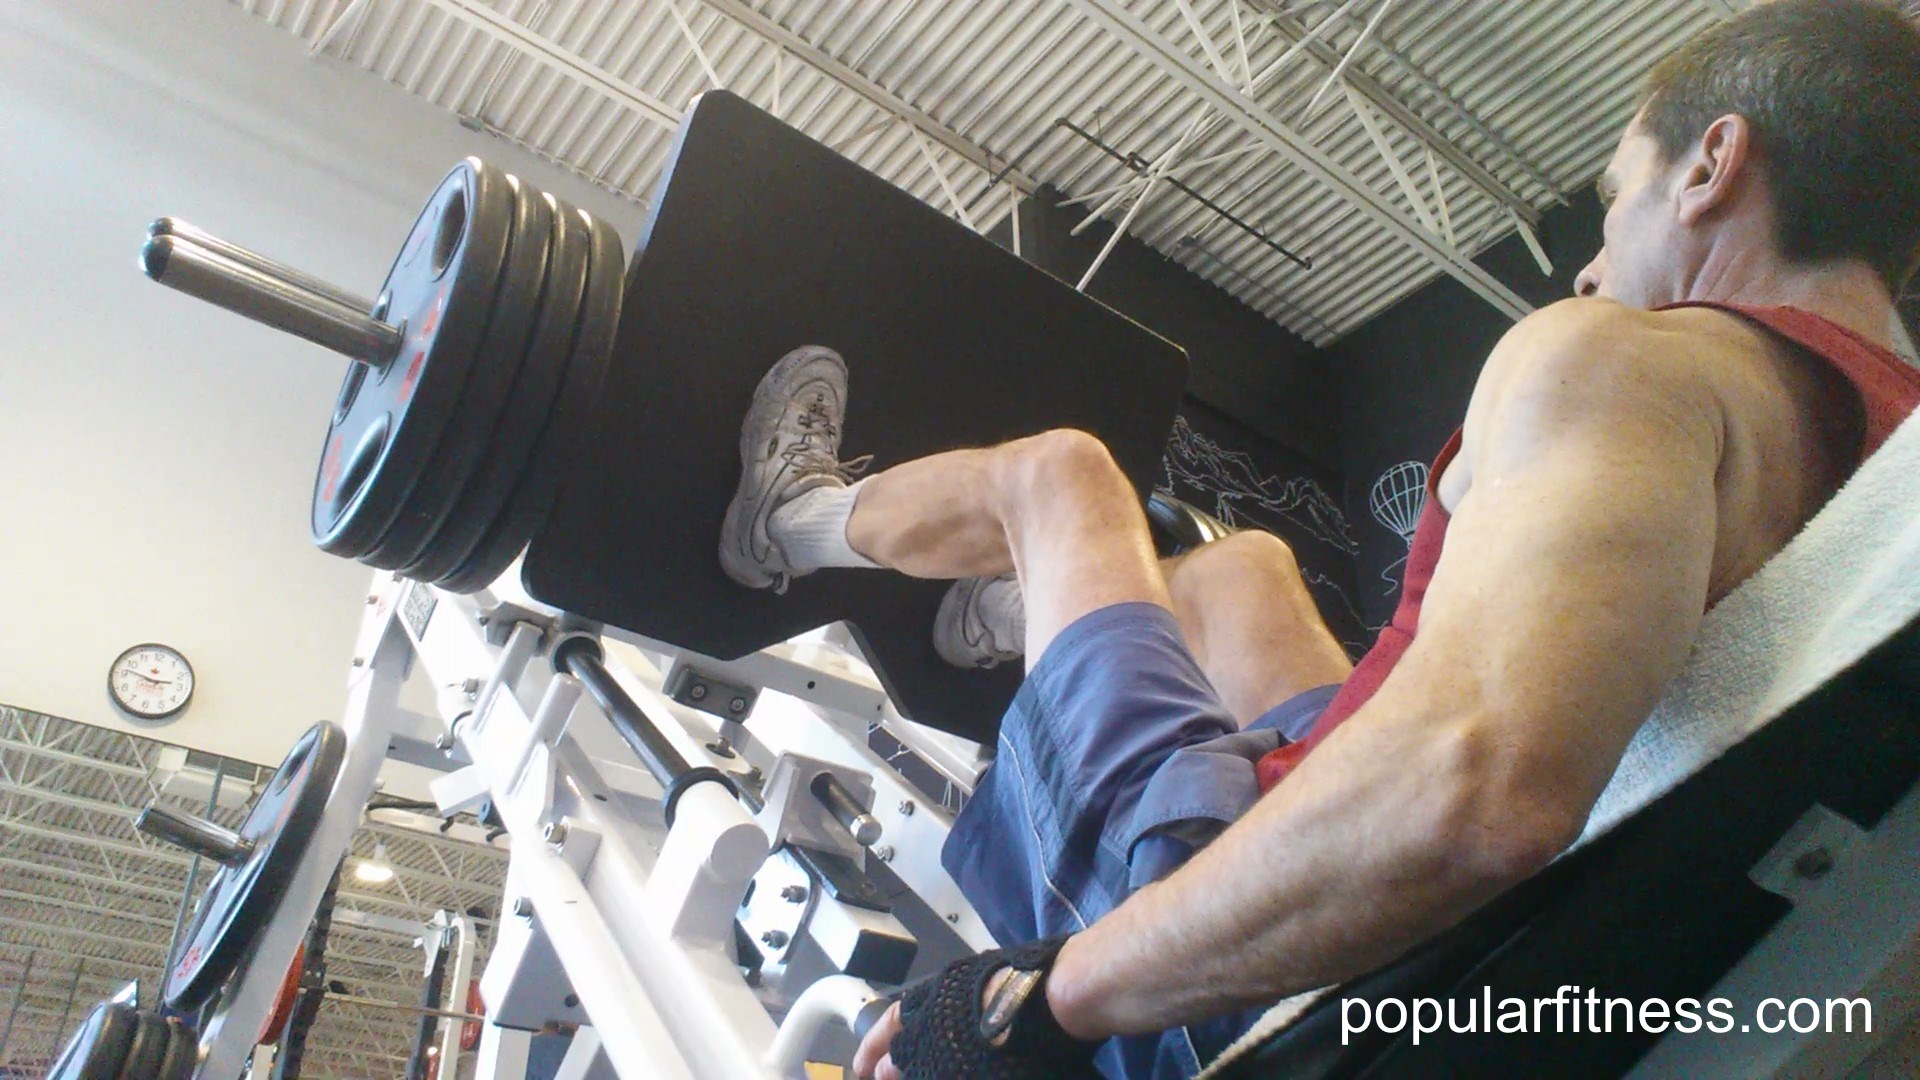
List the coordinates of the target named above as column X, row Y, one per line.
column 872, row 1061
column 984, row 1016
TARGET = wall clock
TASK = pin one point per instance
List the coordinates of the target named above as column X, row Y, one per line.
column 151, row 681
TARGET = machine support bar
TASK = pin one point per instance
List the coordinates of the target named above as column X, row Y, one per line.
column 583, row 659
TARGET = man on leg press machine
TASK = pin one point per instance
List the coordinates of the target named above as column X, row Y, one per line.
column 1138, row 879
column 1155, row 844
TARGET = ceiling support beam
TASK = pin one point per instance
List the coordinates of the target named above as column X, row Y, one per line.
column 1289, row 26
column 880, row 96
column 1113, row 17
column 569, row 63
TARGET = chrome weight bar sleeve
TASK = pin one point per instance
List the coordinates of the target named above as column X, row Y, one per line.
column 179, row 263
column 222, row 845
column 193, row 234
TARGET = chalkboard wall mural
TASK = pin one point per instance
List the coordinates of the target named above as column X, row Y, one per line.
column 1250, row 483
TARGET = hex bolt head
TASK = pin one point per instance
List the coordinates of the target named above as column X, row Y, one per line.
column 774, row 939
column 953, row 916
column 737, row 705
column 444, row 742
column 793, row 894
column 906, row 808
column 470, row 688
column 1814, row 864
column 698, row 691
column 884, row 853
column 555, row 834
column 523, row 907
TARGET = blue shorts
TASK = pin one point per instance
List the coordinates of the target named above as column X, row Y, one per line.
column 1116, row 762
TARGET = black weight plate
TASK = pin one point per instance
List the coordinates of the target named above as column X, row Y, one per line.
column 183, row 1051
column 489, row 380
column 148, row 1049
column 241, row 899
column 566, row 425
column 527, row 407
column 97, row 1049
column 389, row 419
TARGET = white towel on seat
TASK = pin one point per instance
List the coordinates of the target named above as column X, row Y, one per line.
column 1844, row 585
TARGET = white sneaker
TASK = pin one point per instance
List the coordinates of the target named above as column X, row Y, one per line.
column 961, row 633
column 789, row 445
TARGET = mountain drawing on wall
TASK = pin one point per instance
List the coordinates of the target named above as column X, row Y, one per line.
column 1248, row 493
column 1244, row 496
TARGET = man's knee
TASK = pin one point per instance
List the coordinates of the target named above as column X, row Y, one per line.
column 1234, row 563
column 1055, row 464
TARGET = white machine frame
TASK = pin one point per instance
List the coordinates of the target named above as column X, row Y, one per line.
column 630, row 921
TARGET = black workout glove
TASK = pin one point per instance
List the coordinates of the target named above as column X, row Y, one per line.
column 947, row 1033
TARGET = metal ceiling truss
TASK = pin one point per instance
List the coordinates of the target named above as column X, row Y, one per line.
column 1235, row 105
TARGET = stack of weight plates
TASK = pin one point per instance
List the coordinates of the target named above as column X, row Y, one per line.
column 442, row 463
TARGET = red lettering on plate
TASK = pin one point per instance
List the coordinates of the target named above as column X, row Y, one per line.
column 330, row 468
column 413, row 375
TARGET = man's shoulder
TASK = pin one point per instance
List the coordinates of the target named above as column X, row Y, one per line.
column 1592, row 339
column 1595, row 354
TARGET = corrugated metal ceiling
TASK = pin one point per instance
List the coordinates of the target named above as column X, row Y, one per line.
column 1500, row 103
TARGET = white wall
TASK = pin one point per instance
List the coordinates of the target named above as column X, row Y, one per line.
column 157, row 454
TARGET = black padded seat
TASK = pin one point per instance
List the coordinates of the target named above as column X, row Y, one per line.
column 1659, row 908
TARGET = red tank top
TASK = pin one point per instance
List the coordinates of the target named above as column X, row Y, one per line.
column 1889, row 391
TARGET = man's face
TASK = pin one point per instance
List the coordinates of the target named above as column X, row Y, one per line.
column 1638, row 263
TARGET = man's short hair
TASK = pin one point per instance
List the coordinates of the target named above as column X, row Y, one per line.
column 1832, row 90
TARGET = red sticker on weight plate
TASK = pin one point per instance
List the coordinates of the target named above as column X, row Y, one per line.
column 330, row 468
column 413, row 375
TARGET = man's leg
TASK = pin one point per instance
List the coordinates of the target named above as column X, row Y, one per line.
column 1241, row 604
column 1054, row 507
column 1249, row 620
column 1058, row 507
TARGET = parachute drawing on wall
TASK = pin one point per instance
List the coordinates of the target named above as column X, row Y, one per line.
column 1397, row 499
column 1241, row 494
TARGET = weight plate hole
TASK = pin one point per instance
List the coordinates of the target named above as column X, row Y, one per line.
column 453, row 227
column 349, row 390
column 360, row 465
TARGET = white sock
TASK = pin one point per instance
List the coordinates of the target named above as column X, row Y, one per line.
column 1003, row 611
column 811, row 529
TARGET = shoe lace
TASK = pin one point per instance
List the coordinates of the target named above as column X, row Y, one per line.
column 814, row 450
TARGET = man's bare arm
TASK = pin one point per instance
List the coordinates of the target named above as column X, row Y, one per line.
column 1574, row 577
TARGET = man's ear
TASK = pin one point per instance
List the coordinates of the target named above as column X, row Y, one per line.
column 1718, row 167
